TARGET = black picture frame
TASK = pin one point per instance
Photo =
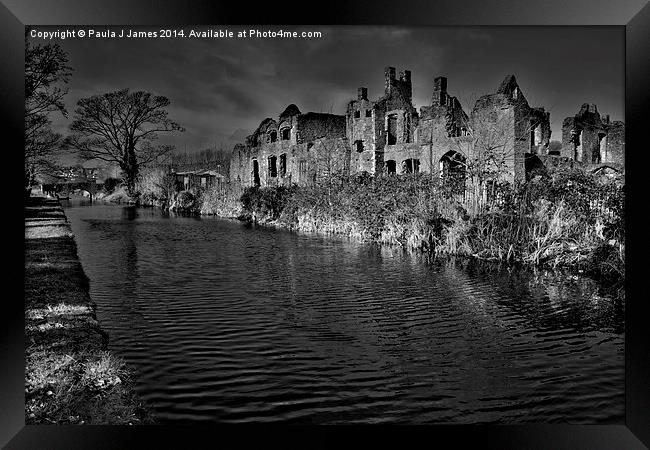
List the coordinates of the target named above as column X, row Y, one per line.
column 632, row 15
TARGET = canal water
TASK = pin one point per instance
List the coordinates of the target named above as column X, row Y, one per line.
column 224, row 322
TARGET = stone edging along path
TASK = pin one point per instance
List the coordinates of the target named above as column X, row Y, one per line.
column 70, row 376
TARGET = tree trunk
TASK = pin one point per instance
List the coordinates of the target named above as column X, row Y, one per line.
column 131, row 171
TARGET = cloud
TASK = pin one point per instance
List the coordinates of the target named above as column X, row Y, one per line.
column 217, row 86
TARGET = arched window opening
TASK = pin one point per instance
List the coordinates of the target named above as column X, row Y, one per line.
column 392, row 129
column 577, row 145
column 256, row 173
column 273, row 168
column 453, row 171
column 602, row 148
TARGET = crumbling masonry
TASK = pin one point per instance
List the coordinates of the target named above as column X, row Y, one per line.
column 594, row 141
column 389, row 135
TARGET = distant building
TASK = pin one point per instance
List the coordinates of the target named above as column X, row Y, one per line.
column 198, row 178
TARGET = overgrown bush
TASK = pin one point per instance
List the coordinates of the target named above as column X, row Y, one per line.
column 265, row 204
column 119, row 195
column 189, row 201
column 157, row 187
column 569, row 218
column 110, row 184
column 564, row 217
column 223, row 200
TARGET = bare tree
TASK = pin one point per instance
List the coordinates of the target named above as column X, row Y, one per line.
column 45, row 70
column 327, row 165
column 487, row 153
column 216, row 158
column 42, row 147
column 121, row 127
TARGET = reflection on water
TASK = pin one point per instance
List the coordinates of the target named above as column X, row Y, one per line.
column 226, row 322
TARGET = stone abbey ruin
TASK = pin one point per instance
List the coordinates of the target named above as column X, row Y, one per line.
column 502, row 135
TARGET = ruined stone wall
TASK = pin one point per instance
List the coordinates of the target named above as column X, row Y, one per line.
column 399, row 89
column 497, row 127
column 361, row 128
column 329, row 158
column 405, row 151
column 240, row 169
column 615, row 143
column 359, row 141
column 540, row 131
column 522, row 138
column 568, row 147
column 286, row 161
column 312, row 126
column 591, row 140
column 395, row 121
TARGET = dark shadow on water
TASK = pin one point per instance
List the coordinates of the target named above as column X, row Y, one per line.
column 129, row 212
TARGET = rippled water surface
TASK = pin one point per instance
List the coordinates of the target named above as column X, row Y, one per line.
column 228, row 323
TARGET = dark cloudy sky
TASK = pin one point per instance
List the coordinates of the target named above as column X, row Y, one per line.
column 221, row 87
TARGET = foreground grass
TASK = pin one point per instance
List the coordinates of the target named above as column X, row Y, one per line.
column 70, row 376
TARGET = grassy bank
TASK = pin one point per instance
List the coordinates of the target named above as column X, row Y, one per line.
column 561, row 218
column 70, row 376
column 567, row 218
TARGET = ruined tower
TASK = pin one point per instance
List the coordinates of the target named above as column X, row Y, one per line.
column 439, row 91
column 590, row 139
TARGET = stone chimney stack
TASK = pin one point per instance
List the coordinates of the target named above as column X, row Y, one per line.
column 439, row 91
column 362, row 93
column 389, row 77
column 405, row 78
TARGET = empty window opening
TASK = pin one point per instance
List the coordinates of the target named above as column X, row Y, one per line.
column 532, row 140
column 310, row 145
column 578, row 146
column 358, row 145
column 392, row 129
column 491, row 192
column 407, row 127
column 273, row 136
column 411, row 165
column 283, row 164
column 535, row 137
column 391, row 166
column 273, row 167
column 538, row 135
column 256, row 173
column 357, row 114
column 286, row 134
column 603, row 147
column 453, row 171
column 302, row 170
column 368, row 113
column 595, row 156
